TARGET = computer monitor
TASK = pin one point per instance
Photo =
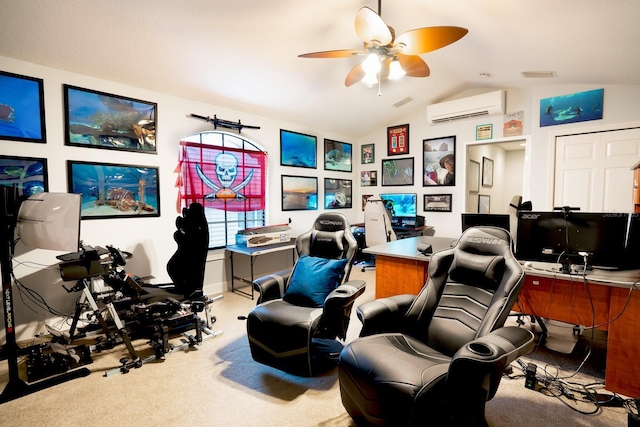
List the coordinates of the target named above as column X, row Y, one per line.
column 401, row 205
column 50, row 221
column 475, row 219
column 573, row 237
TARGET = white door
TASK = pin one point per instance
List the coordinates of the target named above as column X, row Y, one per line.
column 593, row 171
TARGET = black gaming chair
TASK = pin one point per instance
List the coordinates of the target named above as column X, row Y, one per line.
column 301, row 312
column 436, row 358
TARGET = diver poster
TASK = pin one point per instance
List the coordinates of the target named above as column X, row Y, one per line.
column 573, row 108
column 21, row 108
column 114, row 191
column 101, row 120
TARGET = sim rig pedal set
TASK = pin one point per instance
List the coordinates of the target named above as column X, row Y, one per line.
column 128, row 309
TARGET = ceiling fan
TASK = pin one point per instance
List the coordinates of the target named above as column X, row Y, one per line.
column 390, row 57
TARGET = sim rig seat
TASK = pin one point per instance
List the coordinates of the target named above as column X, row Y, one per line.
column 300, row 312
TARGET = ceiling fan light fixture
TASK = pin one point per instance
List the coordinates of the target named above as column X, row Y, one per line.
column 370, row 78
column 395, row 70
column 371, row 64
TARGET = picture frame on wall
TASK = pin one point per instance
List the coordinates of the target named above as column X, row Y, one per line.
column 337, row 156
column 439, row 161
column 398, row 140
column 96, row 119
column 369, row 178
column 365, row 197
column 337, row 193
column 473, row 183
column 111, row 190
column 298, row 149
column 368, row 153
column 437, row 202
column 299, row 193
column 484, row 204
column 28, row 174
column 22, row 108
column 487, row 172
column 397, row 171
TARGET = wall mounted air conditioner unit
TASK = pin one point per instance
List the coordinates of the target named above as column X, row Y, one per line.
column 486, row 104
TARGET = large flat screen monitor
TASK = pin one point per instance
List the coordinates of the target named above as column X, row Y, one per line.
column 573, row 237
column 476, row 219
column 50, row 221
column 401, row 205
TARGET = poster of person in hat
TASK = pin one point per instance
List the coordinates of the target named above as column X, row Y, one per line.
column 439, row 161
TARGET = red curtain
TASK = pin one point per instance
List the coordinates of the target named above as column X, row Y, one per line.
column 229, row 179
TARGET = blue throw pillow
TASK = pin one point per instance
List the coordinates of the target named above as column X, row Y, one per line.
column 313, row 279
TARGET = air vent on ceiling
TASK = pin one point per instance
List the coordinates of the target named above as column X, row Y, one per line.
column 538, row 74
column 403, row 101
column 486, row 104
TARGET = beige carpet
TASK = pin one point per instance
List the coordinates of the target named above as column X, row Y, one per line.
column 218, row 384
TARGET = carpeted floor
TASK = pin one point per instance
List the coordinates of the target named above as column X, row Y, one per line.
column 218, row 384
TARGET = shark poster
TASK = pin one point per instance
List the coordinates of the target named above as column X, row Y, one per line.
column 573, row 108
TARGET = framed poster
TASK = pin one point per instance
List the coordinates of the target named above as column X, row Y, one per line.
column 484, row 132
column 398, row 140
column 572, row 108
column 369, row 178
column 484, row 204
column 103, row 120
column 28, row 174
column 297, row 149
column 337, row 193
column 439, row 161
column 368, row 153
column 487, row 172
column 365, row 197
column 437, row 202
column 337, row 156
column 473, row 179
column 112, row 190
column 299, row 193
column 21, row 108
column 397, row 171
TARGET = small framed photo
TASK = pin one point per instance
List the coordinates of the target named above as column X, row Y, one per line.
column 397, row 171
column 437, row 202
column 28, row 174
column 369, row 178
column 103, row 120
column 337, row 193
column 299, row 193
column 112, row 190
column 368, row 153
column 398, row 140
column 365, row 197
column 487, row 172
column 337, row 156
column 439, row 161
column 298, row 149
column 21, row 108
column 484, row 204
column 473, row 179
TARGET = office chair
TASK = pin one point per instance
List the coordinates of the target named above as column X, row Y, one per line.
column 514, row 206
column 436, row 358
column 377, row 227
column 301, row 312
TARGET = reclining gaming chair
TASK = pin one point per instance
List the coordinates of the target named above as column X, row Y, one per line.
column 301, row 312
column 436, row 358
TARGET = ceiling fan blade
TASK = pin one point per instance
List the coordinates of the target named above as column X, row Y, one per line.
column 370, row 27
column 343, row 53
column 423, row 40
column 413, row 65
column 354, row 76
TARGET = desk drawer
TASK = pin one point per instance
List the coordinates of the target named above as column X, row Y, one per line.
column 568, row 301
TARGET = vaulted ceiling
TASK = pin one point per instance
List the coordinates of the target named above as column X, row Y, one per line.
column 244, row 53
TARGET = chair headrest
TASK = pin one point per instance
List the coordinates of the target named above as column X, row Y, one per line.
column 327, row 244
column 331, row 221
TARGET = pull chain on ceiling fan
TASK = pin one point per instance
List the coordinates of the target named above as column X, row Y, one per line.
column 390, row 57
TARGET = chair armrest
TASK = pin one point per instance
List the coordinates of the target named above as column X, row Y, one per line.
column 271, row 286
column 337, row 308
column 384, row 314
column 479, row 364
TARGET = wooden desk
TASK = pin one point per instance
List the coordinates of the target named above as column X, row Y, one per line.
column 400, row 269
column 253, row 253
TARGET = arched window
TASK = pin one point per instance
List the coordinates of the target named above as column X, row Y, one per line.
column 227, row 174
